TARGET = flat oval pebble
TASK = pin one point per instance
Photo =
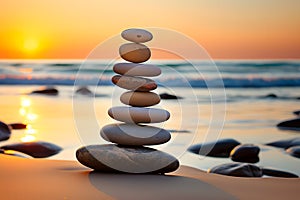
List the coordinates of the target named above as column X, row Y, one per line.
column 294, row 151
column 140, row 99
column 245, row 153
column 114, row 158
column 37, row 149
column 134, row 83
column 133, row 52
column 5, row 131
column 237, row 169
column 131, row 134
column 137, row 35
column 133, row 69
column 138, row 115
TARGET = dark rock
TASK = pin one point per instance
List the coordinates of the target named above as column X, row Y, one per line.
column 245, row 153
column 4, row 131
column 46, row 91
column 14, row 153
column 18, row 126
column 293, row 124
column 285, row 143
column 84, row 91
column 169, row 96
column 113, row 158
column 278, row 173
column 297, row 112
column 294, row 151
column 34, row 149
column 271, row 95
column 221, row 148
column 237, row 169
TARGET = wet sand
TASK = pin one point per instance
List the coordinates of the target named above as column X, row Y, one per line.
column 51, row 179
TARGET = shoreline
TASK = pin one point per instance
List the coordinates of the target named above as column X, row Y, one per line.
column 59, row 179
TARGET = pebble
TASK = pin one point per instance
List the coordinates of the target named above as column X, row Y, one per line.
column 278, row 173
column 294, row 151
column 84, row 91
column 140, row 99
column 5, row 131
column 138, row 115
column 245, row 153
column 18, row 126
column 293, row 124
column 220, row 148
column 34, row 149
column 131, row 134
column 237, row 169
column 46, row 91
column 133, row 69
column 137, row 35
column 134, row 83
column 133, row 52
column 169, row 96
column 113, row 158
column 285, row 143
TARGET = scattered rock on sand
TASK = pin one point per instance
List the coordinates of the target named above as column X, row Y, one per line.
column 237, row 169
column 245, row 153
column 297, row 112
column 138, row 159
column 285, row 143
column 271, row 95
column 17, row 126
column 34, row 149
column 294, row 151
column 4, row 131
column 84, row 91
column 293, row 124
column 169, row 96
column 46, row 91
column 220, row 148
column 278, row 173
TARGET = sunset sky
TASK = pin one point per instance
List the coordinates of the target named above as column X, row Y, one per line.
column 227, row 29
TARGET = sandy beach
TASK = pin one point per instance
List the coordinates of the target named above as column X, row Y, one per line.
column 51, row 179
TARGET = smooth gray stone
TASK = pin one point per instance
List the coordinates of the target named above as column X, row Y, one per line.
column 285, row 143
column 245, row 153
column 114, row 158
column 47, row 91
column 134, row 52
column 137, row 35
column 293, row 124
column 220, row 148
column 131, row 134
column 18, row 126
column 133, row 69
column 169, row 96
column 5, row 131
column 34, row 149
column 297, row 112
column 294, row 151
column 84, row 91
column 278, row 173
column 237, row 169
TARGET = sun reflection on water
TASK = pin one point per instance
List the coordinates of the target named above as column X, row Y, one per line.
column 30, row 117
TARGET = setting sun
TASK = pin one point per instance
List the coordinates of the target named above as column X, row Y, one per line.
column 30, row 45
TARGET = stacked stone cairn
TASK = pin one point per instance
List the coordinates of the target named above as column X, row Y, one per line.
column 128, row 154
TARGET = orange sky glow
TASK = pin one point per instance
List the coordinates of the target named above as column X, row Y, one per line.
column 229, row 29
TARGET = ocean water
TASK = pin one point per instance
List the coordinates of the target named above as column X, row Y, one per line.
column 238, row 99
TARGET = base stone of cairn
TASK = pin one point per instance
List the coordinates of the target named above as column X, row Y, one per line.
column 127, row 154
